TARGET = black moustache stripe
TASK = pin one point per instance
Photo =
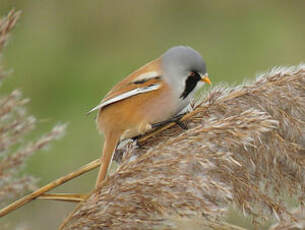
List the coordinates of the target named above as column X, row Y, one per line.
column 190, row 84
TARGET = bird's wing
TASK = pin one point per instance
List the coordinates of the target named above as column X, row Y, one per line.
column 110, row 100
column 143, row 80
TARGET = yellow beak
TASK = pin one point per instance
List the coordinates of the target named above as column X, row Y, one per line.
column 206, row 79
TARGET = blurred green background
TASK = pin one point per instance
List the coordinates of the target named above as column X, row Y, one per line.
column 66, row 55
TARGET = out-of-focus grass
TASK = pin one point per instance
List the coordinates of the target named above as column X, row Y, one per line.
column 67, row 54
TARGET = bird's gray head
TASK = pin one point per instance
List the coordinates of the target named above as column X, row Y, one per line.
column 183, row 67
column 183, row 59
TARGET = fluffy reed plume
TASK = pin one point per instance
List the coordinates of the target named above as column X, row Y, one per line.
column 298, row 224
column 15, row 124
column 245, row 146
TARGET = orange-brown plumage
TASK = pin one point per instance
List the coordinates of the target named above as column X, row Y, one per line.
column 124, row 85
column 132, row 116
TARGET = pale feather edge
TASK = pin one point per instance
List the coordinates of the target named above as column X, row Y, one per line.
column 126, row 95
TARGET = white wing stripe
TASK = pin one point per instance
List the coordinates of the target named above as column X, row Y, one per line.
column 127, row 95
column 147, row 76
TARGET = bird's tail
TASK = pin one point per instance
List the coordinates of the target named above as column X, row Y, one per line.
column 110, row 144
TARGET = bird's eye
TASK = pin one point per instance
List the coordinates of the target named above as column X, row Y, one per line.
column 195, row 75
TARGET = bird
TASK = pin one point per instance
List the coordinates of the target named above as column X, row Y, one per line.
column 153, row 93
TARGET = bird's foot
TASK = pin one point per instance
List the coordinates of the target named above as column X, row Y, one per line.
column 175, row 119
